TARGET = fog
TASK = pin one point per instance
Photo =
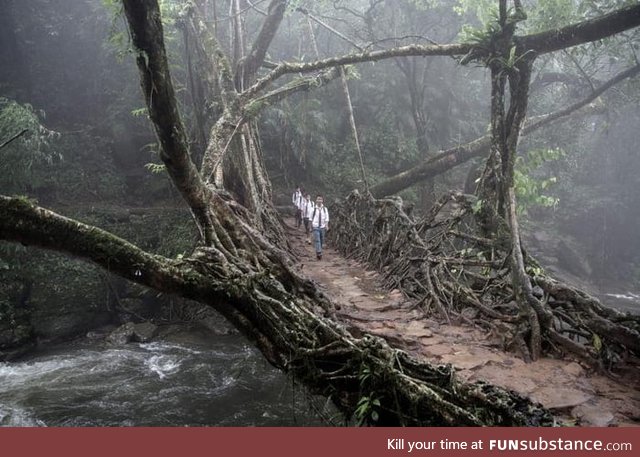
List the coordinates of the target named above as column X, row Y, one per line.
column 68, row 72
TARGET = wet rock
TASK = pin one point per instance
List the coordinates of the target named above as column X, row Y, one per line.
column 593, row 415
column 14, row 353
column 437, row 350
column 144, row 332
column 100, row 333
column 571, row 258
column 537, row 292
column 122, row 335
column 417, row 330
column 16, row 338
column 574, row 369
column 554, row 397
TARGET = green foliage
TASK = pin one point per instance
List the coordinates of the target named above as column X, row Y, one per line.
column 366, row 410
column 156, row 168
column 486, row 11
column 597, row 342
column 368, row 405
column 529, row 188
column 140, row 112
column 118, row 39
column 482, row 36
column 534, row 270
column 352, row 72
column 477, row 206
column 87, row 173
column 35, row 147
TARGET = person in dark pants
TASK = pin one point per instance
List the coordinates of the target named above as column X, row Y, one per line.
column 297, row 199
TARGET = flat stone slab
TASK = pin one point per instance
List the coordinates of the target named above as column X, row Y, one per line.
column 470, row 358
column 417, row 329
column 593, row 415
column 554, row 397
column 437, row 350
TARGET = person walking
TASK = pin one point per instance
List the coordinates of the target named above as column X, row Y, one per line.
column 296, row 199
column 319, row 224
column 307, row 211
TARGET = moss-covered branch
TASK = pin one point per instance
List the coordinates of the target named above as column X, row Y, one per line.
column 582, row 32
column 24, row 222
column 370, row 56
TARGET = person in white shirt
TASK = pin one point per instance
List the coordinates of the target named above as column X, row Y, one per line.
column 319, row 224
column 296, row 199
column 307, row 211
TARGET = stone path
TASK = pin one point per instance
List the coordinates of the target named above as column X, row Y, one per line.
column 572, row 392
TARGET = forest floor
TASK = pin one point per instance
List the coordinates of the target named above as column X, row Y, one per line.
column 575, row 394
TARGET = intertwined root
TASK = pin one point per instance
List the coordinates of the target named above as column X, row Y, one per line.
column 452, row 270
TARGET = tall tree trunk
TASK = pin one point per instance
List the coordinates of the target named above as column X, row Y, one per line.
column 197, row 100
column 354, row 129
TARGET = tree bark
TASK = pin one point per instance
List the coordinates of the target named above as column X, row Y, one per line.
column 583, row 32
column 157, row 88
column 354, row 129
column 248, row 68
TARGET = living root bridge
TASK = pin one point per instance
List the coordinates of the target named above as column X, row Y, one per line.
column 444, row 263
column 284, row 315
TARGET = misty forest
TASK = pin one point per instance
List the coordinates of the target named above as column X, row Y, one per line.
column 479, row 161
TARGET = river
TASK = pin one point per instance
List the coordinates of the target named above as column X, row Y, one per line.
column 186, row 381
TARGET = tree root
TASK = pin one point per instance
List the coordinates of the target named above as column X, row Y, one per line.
column 444, row 259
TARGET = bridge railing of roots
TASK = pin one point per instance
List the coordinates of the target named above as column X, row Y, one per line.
column 452, row 272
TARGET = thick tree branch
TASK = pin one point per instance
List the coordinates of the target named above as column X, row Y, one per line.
column 553, row 40
column 254, row 107
column 457, row 155
column 250, row 65
column 582, row 32
column 370, row 56
column 284, row 327
column 148, row 39
column 24, row 222
column 13, row 138
column 539, row 121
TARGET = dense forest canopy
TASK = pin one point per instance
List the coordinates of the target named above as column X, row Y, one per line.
column 484, row 115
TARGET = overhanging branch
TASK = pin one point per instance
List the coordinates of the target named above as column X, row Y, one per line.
column 13, row 138
column 582, row 32
column 370, row 56
column 24, row 222
column 252, row 107
column 457, row 155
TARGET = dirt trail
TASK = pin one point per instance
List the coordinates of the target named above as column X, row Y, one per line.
column 572, row 392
